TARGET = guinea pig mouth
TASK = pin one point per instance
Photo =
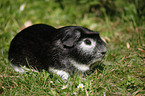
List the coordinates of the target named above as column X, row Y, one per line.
column 97, row 59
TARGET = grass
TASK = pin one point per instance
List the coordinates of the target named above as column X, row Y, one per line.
column 124, row 62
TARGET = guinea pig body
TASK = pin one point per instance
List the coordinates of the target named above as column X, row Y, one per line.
column 64, row 51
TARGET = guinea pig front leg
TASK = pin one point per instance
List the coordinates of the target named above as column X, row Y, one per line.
column 63, row 74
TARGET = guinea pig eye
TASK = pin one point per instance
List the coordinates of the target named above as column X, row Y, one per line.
column 87, row 41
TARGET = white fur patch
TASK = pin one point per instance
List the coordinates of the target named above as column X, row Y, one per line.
column 18, row 69
column 87, row 48
column 64, row 75
column 81, row 67
column 22, row 69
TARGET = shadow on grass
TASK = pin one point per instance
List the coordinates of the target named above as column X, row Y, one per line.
column 1, row 91
column 98, row 66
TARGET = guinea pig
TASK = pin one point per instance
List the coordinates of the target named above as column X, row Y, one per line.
column 64, row 51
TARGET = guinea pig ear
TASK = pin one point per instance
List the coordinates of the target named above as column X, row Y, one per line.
column 70, row 38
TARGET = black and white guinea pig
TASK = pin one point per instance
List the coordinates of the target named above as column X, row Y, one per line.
column 64, row 51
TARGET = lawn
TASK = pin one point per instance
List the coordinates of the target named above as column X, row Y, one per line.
column 121, row 25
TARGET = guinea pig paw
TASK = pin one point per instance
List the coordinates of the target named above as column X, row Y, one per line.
column 64, row 75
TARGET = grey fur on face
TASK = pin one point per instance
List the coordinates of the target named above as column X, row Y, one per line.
column 65, row 51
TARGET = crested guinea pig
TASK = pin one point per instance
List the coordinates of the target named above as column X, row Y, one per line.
column 64, row 51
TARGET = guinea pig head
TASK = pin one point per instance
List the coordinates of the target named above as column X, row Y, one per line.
column 84, row 46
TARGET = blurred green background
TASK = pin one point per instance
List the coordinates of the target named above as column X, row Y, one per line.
column 121, row 24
